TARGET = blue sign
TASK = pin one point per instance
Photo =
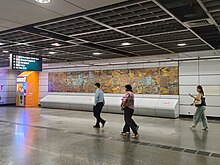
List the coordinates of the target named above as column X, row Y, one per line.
column 26, row 63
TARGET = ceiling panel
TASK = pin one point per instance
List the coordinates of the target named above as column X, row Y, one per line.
column 61, row 7
column 24, row 13
column 153, row 28
column 172, row 36
column 72, row 26
column 102, row 36
column 117, row 43
column 21, row 37
column 85, row 4
column 134, row 13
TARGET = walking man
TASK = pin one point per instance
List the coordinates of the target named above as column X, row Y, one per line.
column 97, row 108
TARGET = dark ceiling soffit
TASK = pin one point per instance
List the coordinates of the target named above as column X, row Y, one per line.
column 41, row 32
column 126, row 3
column 92, row 11
column 105, row 48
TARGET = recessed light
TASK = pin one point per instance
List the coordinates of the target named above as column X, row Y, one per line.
column 52, row 52
column 1, row 43
column 126, row 44
column 56, row 44
column 181, row 44
column 43, row 1
column 5, row 51
column 96, row 53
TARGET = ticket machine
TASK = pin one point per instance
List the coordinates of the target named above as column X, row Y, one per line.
column 27, row 89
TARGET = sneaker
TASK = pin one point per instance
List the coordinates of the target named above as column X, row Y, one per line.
column 135, row 136
column 123, row 133
column 96, row 126
column 205, row 129
column 192, row 126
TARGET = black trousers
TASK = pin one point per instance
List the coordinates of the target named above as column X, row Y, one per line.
column 129, row 122
column 97, row 109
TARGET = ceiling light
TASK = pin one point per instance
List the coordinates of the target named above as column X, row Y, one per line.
column 181, row 44
column 101, row 64
column 1, row 43
column 97, row 53
column 5, row 51
column 52, row 52
column 56, row 44
column 126, row 44
column 42, row 1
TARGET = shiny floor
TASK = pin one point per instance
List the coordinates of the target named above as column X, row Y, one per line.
column 37, row 136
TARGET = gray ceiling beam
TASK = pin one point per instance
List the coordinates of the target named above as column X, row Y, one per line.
column 127, row 34
column 208, row 13
column 168, row 12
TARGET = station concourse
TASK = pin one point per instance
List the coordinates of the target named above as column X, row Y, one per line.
column 57, row 56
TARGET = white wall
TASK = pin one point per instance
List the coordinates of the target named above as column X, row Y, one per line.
column 43, row 84
column 8, row 86
column 205, row 73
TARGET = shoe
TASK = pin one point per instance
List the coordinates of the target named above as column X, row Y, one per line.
column 123, row 133
column 96, row 126
column 205, row 129
column 192, row 126
column 137, row 127
column 135, row 136
column 103, row 124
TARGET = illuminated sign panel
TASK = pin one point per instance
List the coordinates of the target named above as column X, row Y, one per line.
column 26, row 63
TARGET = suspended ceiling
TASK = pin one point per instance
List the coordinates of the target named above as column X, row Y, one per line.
column 153, row 27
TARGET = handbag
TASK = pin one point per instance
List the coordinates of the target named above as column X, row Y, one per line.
column 201, row 102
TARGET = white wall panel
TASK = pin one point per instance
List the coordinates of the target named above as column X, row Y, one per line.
column 187, row 89
column 212, row 111
column 188, row 68
column 188, row 80
column 187, row 100
column 213, row 101
column 210, row 80
column 209, row 67
column 187, row 110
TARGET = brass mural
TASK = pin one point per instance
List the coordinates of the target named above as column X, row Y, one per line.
column 157, row 80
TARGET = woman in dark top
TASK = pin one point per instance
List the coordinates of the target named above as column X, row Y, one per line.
column 127, row 106
column 199, row 102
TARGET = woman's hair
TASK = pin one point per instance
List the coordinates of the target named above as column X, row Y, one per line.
column 98, row 85
column 201, row 89
column 128, row 87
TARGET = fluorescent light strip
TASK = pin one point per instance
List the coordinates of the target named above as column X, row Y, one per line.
column 101, row 64
column 116, row 63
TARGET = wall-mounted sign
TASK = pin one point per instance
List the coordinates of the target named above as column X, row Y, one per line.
column 28, row 63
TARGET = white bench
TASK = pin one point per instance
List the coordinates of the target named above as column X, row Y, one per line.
column 146, row 105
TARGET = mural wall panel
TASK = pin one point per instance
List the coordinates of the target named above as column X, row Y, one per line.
column 158, row 80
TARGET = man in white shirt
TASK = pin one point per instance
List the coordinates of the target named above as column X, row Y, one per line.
column 97, row 108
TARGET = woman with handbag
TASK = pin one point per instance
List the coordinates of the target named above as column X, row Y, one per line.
column 199, row 102
column 127, row 105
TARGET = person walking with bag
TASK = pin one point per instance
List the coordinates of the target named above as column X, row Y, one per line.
column 127, row 106
column 97, row 108
column 199, row 102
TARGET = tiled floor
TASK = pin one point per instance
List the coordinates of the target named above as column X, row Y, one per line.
column 61, row 137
